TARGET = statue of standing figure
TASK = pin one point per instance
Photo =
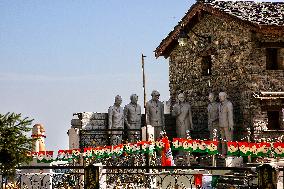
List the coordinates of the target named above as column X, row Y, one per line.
column 226, row 122
column 213, row 117
column 116, row 121
column 132, row 118
column 155, row 114
column 182, row 112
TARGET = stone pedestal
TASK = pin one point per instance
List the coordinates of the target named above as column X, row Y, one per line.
column 74, row 138
column 150, row 131
column 102, row 175
column 234, row 161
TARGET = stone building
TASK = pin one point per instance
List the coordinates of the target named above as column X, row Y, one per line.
column 236, row 47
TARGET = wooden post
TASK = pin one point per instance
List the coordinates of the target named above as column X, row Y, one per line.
column 267, row 176
column 92, row 177
column 249, row 133
column 215, row 138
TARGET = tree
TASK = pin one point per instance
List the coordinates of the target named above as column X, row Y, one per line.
column 15, row 145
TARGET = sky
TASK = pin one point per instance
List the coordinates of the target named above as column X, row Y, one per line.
column 62, row 57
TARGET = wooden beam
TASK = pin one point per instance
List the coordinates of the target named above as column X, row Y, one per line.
column 272, row 44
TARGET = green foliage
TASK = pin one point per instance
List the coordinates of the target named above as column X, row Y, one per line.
column 14, row 143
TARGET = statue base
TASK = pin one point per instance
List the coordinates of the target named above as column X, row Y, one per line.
column 234, row 161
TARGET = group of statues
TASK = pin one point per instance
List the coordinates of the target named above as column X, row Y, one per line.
column 220, row 117
column 131, row 117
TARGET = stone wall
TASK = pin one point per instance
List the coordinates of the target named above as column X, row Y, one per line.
column 238, row 68
column 89, row 120
column 81, row 133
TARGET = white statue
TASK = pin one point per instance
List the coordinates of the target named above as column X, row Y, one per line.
column 38, row 132
column 212, row 115
column 226, row 123
column 132, row 118
column 155, row 114
column 182, row 112
column 116, row 120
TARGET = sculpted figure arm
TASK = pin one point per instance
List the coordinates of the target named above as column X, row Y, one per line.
column 176, row 110
column 163, row 116
column 230, row 116
column 210, row 122
column 190, row 118
column 140, row 115
column 126, row 111
column 148, row 114
column 110, row 118
column 122, row 119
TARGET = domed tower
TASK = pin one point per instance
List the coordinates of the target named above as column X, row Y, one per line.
column 38, row 133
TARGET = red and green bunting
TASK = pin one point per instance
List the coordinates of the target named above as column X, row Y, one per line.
column 260, row 149
column 212, row 147
column 43, row 156
column 200, row 146
column 278, row 149
column 68, row 155
column 147, row 146
column 233, row 149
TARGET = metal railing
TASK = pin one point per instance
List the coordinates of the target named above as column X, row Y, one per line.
column 173, row 177
column 164, row 177
column 45, row 177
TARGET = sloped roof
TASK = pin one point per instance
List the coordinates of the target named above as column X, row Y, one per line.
column 264, row 13
column 257, row 15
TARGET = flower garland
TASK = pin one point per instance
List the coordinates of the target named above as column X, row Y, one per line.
column 235, row 148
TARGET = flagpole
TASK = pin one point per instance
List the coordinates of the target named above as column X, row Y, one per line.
column 144, row 90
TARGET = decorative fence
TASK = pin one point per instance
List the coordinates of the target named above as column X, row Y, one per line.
column 146, row 177
column 175, row 177
column 45, row 177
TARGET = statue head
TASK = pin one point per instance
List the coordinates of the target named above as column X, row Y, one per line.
column 222, row 96
column 117, row 100
column 181, row 97
column 211, row 97
column 155, row 95
column 38, row 129
column 134, row 98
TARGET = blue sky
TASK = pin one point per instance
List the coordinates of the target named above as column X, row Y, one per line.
column 62, row 57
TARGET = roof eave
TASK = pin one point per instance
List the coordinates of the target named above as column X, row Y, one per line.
column 160, row 50
column 163, row 48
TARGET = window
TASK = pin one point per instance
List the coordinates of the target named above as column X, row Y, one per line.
column 273, row 120
column 206, row 65
column 273, row 59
